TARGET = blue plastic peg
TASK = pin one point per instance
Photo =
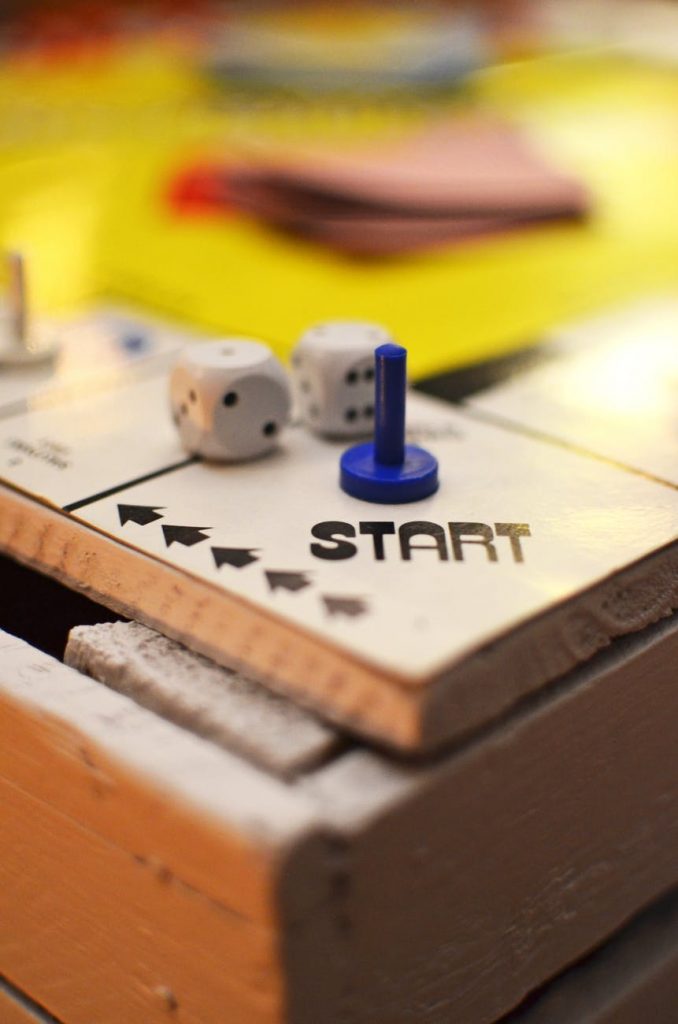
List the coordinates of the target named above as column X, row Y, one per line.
column 386, row 470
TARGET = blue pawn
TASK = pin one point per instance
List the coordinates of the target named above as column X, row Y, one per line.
column 387, row 470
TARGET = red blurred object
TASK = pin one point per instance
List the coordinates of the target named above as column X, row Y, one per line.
column 60, row 32
column 201, row 189
column 456, row 180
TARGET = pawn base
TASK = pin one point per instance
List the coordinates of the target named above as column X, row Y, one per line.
column 363, row 477
column 12, row 354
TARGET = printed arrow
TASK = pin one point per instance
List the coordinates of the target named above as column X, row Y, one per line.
column 186, row 535
column 141, row 514
column 287, row 580
column 237, row 557
column 350, row 606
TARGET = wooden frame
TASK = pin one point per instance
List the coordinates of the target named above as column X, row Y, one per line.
column 157, row 870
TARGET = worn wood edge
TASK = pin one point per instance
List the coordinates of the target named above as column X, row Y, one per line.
column 402, row 795
column 396, row 780
column 152, row 788
column 17, row 1008
column 230, row 631
column 94, row 934
column 519, row 853
column 415, row 716
column 501, row 675
column 231, row 710
column 633, row 977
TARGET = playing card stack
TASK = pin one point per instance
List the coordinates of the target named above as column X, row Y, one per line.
column 457, row 180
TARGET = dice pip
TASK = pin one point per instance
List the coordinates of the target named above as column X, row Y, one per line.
column 230, row 399
column 333, row 376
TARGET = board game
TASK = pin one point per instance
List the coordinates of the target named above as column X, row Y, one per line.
column 554, row 528
column 382, row 762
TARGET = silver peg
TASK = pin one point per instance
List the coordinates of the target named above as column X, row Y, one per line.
column 19, row 342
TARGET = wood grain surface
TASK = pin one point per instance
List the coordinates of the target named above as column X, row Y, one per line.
column 209, row 620
column 494, row 868
column 160, row 869
column 139, row 860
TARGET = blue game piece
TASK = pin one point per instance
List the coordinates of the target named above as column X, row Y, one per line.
column 387, row 470
column 134, row 342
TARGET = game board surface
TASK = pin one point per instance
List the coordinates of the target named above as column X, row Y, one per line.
column 546, row 492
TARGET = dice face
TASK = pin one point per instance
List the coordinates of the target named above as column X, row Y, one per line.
column 333, row 376
column 230, row 399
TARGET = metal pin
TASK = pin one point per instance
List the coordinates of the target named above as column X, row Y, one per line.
column 19, row 343
column 16, row 300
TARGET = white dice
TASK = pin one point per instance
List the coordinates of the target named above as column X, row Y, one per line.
column 230, row 399
column 333, row 376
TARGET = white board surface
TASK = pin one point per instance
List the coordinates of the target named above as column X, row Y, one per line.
column 543, row 502
column 609, row 385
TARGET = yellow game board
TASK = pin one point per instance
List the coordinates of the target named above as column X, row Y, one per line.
column 91, row 211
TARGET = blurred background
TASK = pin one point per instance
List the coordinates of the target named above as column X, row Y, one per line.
column 466, row 173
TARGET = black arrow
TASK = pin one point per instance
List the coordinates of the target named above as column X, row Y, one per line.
column 141, row 514
column 237, row 557
column 186, row 535
column 287, row 580
column 350, row 606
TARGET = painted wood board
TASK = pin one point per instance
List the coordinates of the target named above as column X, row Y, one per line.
column 237, row 713
column 155, row 868
column 98, row 348
column 509, row 859
column 367, row 889
column 607, row 386
column 396, row 621
column 46, row 705
column 633, row 977
column 87, row 917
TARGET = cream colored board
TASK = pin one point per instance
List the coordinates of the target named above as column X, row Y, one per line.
column 608, row 385
column 99, row 440
column 211, row 621
column 234, row 632
column 368, row 633
column 413, row 617
column 96, row 349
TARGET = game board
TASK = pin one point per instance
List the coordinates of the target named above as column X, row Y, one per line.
column 553, row 531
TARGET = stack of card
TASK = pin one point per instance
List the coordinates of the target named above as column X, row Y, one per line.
column 456, row 180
